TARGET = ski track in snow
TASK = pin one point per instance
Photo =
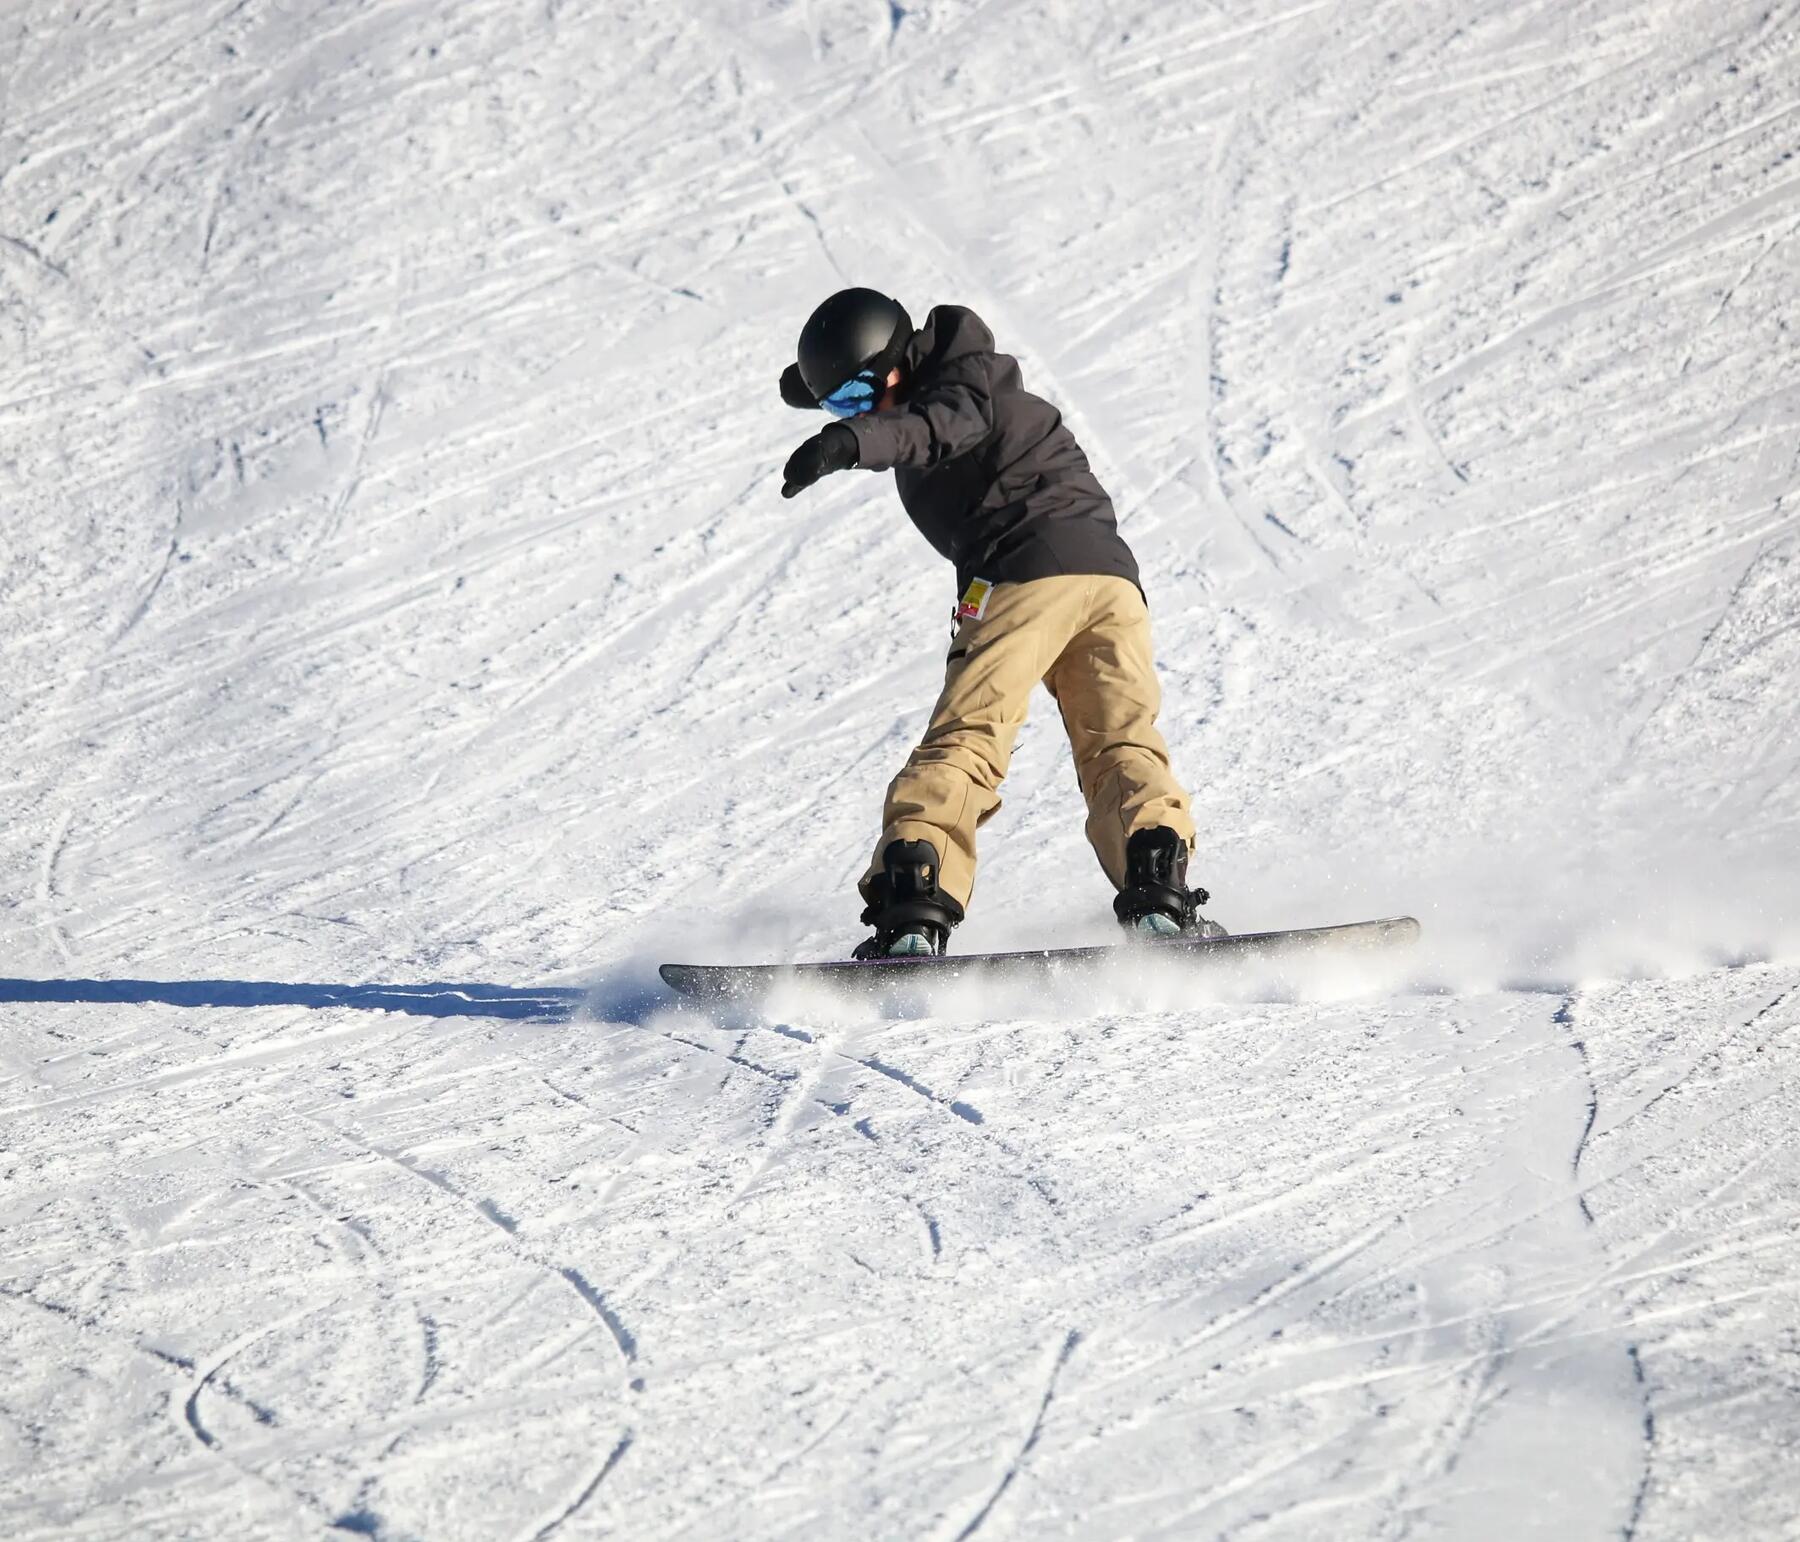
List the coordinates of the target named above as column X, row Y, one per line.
column 394, row 596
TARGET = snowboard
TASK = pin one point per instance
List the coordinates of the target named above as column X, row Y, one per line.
column 740, row 982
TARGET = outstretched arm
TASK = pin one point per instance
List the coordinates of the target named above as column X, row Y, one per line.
column 953, row 413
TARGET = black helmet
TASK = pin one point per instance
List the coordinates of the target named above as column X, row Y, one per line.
column 853, row 331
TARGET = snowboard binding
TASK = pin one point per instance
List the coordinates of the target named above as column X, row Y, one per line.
column 910, row 914
column 1156, row 901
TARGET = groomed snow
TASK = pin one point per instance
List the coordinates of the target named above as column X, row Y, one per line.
column 405, row 648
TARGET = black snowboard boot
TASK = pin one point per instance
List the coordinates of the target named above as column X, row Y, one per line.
column 1156, row 900
column 909, row 913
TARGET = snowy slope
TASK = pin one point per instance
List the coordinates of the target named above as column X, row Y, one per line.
column 394, row 590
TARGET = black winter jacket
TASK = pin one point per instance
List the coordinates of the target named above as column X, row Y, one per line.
column 989, row 473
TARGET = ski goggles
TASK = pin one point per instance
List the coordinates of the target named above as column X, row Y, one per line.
column 855, row 396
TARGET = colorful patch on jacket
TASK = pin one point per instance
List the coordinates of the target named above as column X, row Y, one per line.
column 974, row 603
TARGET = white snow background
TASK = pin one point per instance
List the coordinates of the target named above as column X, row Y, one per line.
column 406, row 648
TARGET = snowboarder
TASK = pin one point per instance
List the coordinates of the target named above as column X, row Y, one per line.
column 996, row 482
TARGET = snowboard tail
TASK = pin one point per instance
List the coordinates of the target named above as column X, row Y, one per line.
column 738, row 982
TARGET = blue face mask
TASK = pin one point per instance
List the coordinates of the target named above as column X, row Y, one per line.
column 855, row 396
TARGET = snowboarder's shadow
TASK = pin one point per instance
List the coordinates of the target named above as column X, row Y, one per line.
column 546, row 1003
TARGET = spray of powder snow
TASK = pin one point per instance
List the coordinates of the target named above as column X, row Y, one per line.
column 1555, row 906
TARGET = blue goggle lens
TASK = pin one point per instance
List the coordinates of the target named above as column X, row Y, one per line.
column 853, row 398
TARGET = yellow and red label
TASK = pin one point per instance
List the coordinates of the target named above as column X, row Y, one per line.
column 973, row 605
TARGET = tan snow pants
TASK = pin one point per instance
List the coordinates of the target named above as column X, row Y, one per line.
column 1088, row 639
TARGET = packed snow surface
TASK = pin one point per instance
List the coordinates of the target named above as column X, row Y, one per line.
column 406, row 648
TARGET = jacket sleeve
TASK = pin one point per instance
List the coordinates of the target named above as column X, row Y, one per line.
column 951, row 412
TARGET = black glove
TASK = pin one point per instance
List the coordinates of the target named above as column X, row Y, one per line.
column 833, row 448
column 793, row 389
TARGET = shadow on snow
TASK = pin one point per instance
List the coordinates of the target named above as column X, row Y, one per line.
column 551, row 1003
